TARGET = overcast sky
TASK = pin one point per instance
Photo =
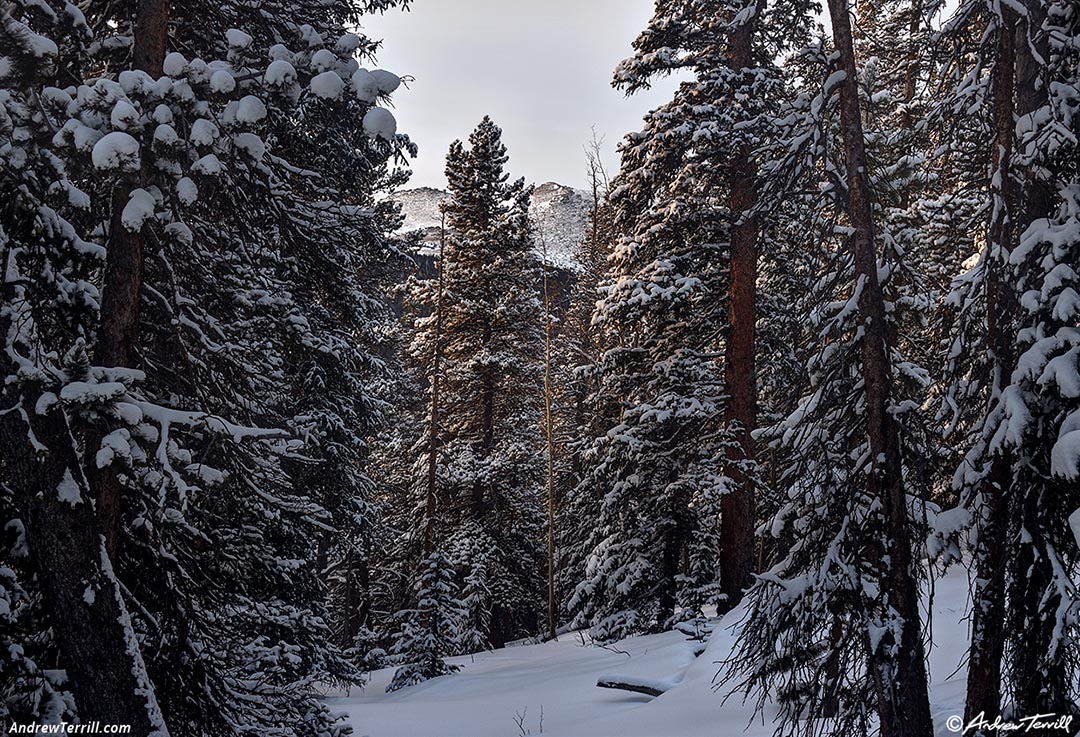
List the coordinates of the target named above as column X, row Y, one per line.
column 542, row 70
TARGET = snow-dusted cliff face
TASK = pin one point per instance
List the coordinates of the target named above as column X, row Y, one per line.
column 421, row 207
column 560, row 215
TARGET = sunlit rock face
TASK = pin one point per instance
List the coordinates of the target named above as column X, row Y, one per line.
column 560, row 215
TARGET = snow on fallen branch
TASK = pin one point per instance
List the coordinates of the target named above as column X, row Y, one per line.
column 647, row 686
column 695, row 629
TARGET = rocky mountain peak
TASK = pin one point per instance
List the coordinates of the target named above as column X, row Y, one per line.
column 560, row 215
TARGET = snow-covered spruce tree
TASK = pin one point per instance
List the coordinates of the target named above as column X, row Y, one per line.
column 679, row 314
column 60, row 598
column 215, row 549
column 491, row 409
column 397, row 540
column 406, row 459
column 431, row 631
column 833, row 629
column 338, row 261
column 334, row 252
column 720, row 45
column 479, row 345
column 1038, row 416
column 1017, row 481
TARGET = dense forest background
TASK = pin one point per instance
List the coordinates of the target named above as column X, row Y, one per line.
column 819, row 342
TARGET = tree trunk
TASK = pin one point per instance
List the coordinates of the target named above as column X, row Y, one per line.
column 89, row 620
column 900, row 680
column 987, row 628
column 91, row 625
column 357, row 596
column 501, row 627
column 738, row 514
column 988, row 600
column 669, row 564
column 549, row 427
column 118, row 332
column 911, row 75
column 431, row 499
column 830, row 705
column 634, row 685
column 482, row 488
column 151, row 36
column 1044, row 682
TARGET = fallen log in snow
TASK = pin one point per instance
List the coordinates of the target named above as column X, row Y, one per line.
column 696, row 629
column 647, row 686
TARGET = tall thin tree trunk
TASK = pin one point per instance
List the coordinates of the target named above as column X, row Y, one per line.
column 549, row 429
column 738, row 514
column 357, row 584
column 481, row 487
column 987, row 629
column 669, row 565
column 900, row 678
column 431, row 500
column 118, row 332
column 911, row 75
column 1043, row 682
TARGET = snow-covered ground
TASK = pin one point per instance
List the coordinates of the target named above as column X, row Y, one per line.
column 495, row 692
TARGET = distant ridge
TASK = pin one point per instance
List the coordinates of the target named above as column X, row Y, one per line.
column 560, row 216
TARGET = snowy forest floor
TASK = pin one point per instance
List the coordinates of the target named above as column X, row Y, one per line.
column 503, row 693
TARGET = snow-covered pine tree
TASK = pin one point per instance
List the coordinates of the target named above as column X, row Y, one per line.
column 433, row 630
column 915, row 184
column 216, row 548
column 482, row 316
column 738, row 509
column 897, row 660
column 339, row 262
column 679, row 318
column 59, row 595
column 1016, row 482
column 1038, row 415
column 408, row 458
column 833, row 629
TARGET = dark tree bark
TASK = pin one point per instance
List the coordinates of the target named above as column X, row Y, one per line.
column 1042, row 684
column 357, row 596
column 669, row 571
column 738, row 514
column 118, row 332
column 87, row 614
column 988, row 600
column 987, row 628
column 1019, row 198
column 88, row 617
column 900, row 680
column 485, row 445
column 151, row 36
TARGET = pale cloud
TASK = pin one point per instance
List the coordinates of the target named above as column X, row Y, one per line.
column 542, row 70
